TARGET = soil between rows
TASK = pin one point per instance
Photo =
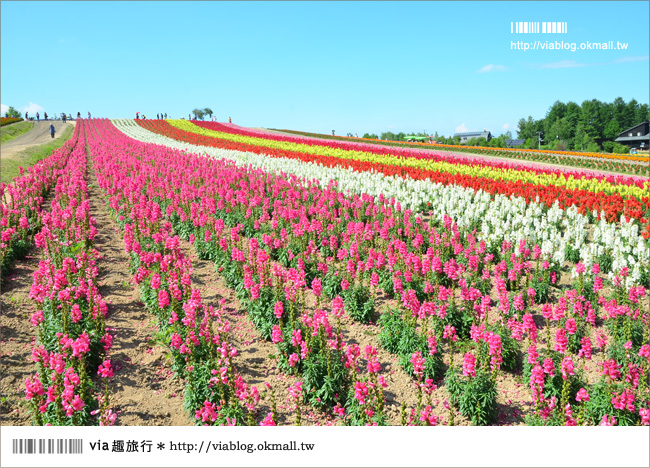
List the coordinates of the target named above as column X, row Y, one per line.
column 143, row 390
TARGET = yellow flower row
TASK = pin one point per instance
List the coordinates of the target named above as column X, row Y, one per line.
column 510, row 175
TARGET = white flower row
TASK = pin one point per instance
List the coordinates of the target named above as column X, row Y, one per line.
column 509, row 218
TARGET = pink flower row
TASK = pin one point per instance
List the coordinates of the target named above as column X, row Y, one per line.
column 70, row 319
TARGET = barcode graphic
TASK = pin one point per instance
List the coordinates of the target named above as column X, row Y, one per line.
column 68, row 446
column 536, row 27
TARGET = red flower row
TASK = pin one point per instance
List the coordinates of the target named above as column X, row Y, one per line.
column 421, row 155
column 584, row 200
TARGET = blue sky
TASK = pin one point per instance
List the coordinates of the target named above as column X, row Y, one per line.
column 316, row 66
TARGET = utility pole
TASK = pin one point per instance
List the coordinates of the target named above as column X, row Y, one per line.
column 539, row 139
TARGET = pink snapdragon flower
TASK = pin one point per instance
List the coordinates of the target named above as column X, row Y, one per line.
column 418, row 364
column 268, row 420
column 163, row 298
column 469, row 363
column 317, row 287
column 361, row 392
column 105, row 369
column 276, row 334
column 567, row 367
column 582, row 395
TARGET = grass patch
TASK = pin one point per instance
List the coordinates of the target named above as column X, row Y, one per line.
column 30, row 156
column 10, row 132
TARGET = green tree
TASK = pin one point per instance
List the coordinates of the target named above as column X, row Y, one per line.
column 526, row 128
column 615, row 147
column 642, row 114
column 370, row 135
column 207, row 111
column 578, row 139
column 560, row 130
column 619, row 109
column 591, row 118
column 198, row 114
column 556, row 111
column 612, row 129
column 572, row 116
column 13, row 112
column 630, row 114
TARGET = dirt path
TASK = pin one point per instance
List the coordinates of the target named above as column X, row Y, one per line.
column 144, row 392
column 38, row 135
column 253, row 361
column 16, row 337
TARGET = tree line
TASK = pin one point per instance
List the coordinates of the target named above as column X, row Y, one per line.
column 496, row 142
column 591, row 126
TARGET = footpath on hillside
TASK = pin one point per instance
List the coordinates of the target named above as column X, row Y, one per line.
column 39, row 135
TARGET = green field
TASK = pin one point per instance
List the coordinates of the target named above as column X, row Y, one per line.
column 30, row 156
column 10, row 132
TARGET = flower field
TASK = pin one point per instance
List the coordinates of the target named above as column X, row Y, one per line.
column 600, row 160
column 392, row 285
column 9, row 120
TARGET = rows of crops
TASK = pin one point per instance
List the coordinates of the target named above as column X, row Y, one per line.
column 473, row 273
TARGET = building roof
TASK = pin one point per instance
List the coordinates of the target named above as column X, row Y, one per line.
column 632, row 128
column 515, row 142
column 634, row 138
column 471, row 134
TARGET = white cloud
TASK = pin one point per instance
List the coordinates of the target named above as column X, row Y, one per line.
column 3, row 108
column 491, row 67
column 506, row 126
column 32, row 108
column 563, row 64
column 461, row 128
column 638, row 58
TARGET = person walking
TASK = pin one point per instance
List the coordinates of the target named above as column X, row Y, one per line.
column 44, row 115
column 63, row 117
column 52, row 130
column 78, row 115
column 229, row 120
column 26, row 115
column 38, row 117
column 89, row 115
column 165, row 115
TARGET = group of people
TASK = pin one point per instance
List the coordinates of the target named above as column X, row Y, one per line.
column 63, row 116
column 160, row 116
column 164, row 116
